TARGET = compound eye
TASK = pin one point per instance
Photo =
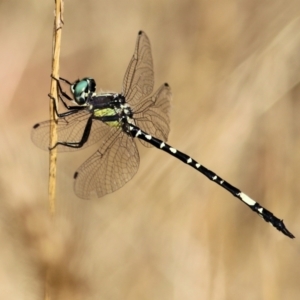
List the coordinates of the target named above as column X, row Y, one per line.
column 80, row 90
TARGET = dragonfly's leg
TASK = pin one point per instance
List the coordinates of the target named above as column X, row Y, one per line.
column 60, row 88
column 61, row 92
column 73, row 109
column 85, row 136
column 65, row 80
column 60, row 78
column 64, row 103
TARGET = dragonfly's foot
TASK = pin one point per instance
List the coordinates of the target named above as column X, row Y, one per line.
column 53, row 147
column 51, row 97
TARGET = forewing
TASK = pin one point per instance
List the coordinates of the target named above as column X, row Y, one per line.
column 108, row 169
column 153, row 114
column 69, row 129
column 139, row 78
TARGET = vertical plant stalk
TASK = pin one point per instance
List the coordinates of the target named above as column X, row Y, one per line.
column 57, row 28
column 58, row 23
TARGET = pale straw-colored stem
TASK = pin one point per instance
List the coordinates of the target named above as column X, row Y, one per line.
column 57, row 28
column 58, row 23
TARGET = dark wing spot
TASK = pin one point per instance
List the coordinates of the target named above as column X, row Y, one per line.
column 36, row 125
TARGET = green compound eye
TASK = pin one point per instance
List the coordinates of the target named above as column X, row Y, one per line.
column 80, row 87
column 79, row 91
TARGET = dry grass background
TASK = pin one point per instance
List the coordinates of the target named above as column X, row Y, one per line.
column 234, row 69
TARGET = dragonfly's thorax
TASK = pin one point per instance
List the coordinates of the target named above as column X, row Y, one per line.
column 111, row 109
column 101, row 101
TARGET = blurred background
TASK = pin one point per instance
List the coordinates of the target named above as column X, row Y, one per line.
column 170, row 233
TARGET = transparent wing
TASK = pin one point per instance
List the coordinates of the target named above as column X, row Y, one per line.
column 153, row 114
column 139, row 78
column 69, row 129
column 108, row 169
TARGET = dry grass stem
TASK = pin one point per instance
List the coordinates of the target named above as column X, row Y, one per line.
column 58, row 22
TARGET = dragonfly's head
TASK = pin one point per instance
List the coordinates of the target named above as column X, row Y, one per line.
column 82, row 89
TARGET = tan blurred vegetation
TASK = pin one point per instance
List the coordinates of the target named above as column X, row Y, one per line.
column 234, row 69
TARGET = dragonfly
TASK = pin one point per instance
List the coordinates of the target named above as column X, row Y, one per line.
column 114, row 121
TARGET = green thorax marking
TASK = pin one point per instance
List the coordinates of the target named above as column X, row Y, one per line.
column 107, row 112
